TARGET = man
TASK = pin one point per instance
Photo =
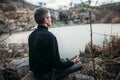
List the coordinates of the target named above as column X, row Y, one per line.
column 44, row 59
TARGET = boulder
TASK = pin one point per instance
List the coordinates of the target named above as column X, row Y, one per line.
column 20, row 65
column 82, row 77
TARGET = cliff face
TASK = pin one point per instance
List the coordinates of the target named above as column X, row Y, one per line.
column 16, row 15
column 109, row 13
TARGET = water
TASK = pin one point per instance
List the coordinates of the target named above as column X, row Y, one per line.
column 72, row 39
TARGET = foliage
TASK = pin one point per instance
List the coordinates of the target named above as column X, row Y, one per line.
column 63, row 17
column 107, row 59
column 42, row 4
column 83, row 5
column 109, row 50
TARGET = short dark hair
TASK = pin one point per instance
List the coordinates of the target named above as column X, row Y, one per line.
column 40, row 14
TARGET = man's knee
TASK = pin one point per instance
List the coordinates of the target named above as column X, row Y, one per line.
column 77, row 66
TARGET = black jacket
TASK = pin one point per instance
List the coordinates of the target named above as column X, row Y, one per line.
column 43, row 52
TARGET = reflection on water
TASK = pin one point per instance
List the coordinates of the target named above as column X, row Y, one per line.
column 71, row 39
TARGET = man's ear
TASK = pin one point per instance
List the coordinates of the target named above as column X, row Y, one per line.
column 45, row 20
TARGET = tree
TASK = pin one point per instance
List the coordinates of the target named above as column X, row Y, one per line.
column 71, row 4
column 42, row 4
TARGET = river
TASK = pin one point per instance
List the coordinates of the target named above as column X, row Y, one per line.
column 72, row 39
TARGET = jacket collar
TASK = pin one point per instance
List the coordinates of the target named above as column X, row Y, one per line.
column 42, row 27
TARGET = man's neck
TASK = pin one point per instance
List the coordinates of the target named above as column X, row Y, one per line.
column 45, row 25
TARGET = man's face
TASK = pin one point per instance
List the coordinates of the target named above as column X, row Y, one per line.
column 48, row 20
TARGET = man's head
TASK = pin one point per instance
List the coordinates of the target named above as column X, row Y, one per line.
column 42, row 16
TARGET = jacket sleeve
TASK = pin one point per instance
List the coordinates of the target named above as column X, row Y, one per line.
column 53, row 54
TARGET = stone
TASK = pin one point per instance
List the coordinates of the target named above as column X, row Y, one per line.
column 82, row 77
column 20, row 65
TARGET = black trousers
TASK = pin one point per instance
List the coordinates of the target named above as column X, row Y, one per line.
column 58, row 74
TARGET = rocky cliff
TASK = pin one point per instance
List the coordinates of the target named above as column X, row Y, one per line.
column 109, row 13
column 16, row 15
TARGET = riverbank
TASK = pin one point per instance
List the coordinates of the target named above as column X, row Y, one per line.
column 14, row 55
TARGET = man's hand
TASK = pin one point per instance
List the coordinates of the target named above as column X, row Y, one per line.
column 76, row 59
